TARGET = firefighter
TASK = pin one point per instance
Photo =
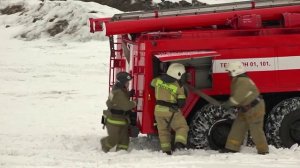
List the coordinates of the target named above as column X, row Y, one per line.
column 170, row 98
column 116, row 118
column 251, row 106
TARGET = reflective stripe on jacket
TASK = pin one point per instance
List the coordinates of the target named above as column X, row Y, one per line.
column 116, row 121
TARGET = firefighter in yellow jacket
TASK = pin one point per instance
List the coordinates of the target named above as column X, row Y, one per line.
column 117, row 115
column 246, row 97
column 170, row 98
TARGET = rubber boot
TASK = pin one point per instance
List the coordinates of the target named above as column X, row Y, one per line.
column 167, row 152
column 179, row 146
column 103, row 147
column 225, row 150
column 263, row 153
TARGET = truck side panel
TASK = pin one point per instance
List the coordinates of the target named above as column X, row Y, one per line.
column 288, row 66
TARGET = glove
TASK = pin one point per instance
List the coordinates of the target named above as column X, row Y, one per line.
column 226, row 105
column 183, row 80
column 131, row 93
column 174, row 109
column 181, row 102
column 103, row 120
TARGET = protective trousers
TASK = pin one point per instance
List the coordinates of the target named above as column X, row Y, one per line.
column 252, row 121
column 117, row 135
column 178, row 124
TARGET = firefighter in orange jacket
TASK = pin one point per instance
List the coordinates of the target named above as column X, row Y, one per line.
column 170, row 97
column 245, row 96
column 117, row 116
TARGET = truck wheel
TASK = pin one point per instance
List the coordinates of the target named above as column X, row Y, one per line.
column 283, row 123
column 210, row 127
column 289, row 131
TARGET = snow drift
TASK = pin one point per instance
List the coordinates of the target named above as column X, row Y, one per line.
column 57, row 20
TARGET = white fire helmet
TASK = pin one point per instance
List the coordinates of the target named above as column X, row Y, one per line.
column 176, row 70
column 235, row 68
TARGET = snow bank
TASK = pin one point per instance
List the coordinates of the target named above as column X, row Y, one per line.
column 57, row 20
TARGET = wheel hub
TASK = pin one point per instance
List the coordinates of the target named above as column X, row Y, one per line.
column 295, row 131
column 289, row 131
column 217, row 135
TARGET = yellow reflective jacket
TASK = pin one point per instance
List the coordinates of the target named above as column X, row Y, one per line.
column 168, row 92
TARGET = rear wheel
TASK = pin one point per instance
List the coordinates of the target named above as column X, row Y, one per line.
column 283, row 123
column 210, row 127
column 289, row 131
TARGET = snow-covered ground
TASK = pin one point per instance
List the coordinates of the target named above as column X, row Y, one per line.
column 51, row 96
column 52, row 92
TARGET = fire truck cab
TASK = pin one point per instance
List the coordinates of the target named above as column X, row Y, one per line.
column 263, row 35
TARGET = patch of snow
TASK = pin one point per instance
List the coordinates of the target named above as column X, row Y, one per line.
column 52, row 95
column 57, row 20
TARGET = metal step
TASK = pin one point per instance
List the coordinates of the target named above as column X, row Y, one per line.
column 205, row 9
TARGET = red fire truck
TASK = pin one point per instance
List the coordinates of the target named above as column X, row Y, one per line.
column 263, row 35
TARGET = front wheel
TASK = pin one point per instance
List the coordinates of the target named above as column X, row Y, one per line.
column 210, row 127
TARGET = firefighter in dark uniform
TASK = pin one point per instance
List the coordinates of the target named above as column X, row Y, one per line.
column 117, row 116
column 246, row 97
column 170, row 97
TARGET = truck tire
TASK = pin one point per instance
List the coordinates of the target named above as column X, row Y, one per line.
column 283, row 123
column 209, row 127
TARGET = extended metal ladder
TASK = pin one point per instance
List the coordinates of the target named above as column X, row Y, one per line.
column 206, row 9
column 117, row 62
